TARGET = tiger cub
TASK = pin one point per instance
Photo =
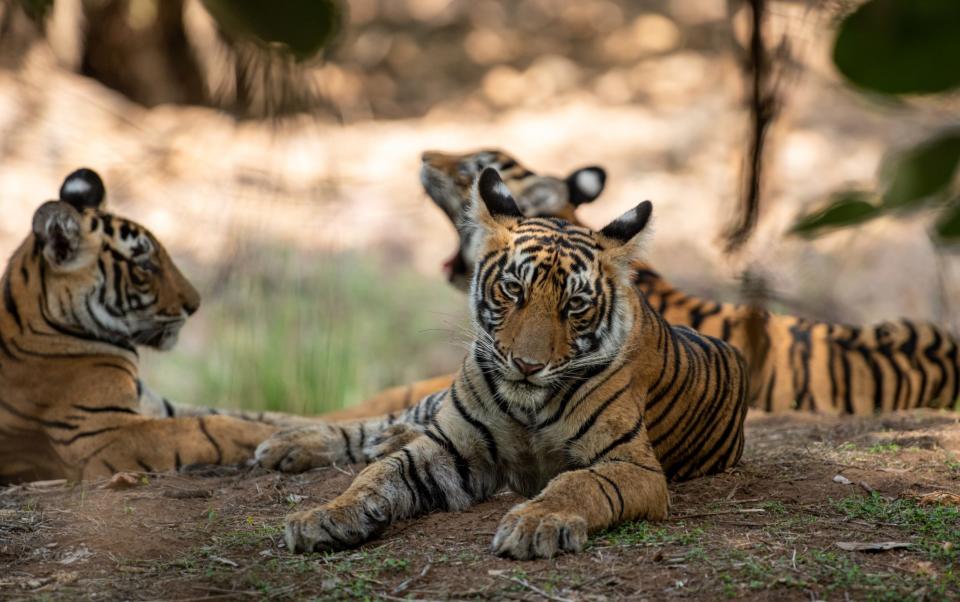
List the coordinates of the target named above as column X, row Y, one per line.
column 576, row 393
column 79, row 294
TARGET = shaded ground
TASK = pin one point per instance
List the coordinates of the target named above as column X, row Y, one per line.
column 768, row 530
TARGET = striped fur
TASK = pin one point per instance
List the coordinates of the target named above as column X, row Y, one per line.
column 576, row 394
column 796, row 363
column 79, row 294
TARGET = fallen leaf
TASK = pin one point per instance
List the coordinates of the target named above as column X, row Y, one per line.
column 935, row 498
column 80, row 553
column 123, row 480
column 842, row 480
column 225, row 561
column 925, row 567
column 880, row 546
column 66, row 577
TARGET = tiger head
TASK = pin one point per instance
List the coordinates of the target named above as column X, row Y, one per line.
column 449, row 178
column 550, row 300
column 103, row 276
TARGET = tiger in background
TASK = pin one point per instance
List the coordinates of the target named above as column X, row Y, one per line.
column 79, row 294
column 575, row 393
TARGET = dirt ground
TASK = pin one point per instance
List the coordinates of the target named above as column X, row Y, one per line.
column 770, row 529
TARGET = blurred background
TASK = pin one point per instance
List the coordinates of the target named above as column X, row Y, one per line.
column 279, row 163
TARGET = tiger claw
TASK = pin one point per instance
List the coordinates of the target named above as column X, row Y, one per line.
column 526, row 533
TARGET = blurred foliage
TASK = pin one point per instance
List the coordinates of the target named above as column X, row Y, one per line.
column 312, row 333
column 37, row 9
column 901, row 47
column 301, row 27
column 845, row 209
column 919, row 177
column 923, row 172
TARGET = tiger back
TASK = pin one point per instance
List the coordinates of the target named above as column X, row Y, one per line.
column 81, row 292
column 575, row 393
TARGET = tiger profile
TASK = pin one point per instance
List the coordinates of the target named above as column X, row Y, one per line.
column 575, row 393
column 796, row 363
column 79, row 294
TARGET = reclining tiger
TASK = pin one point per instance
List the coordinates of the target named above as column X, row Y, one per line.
column 79, row 294
column 575, row 393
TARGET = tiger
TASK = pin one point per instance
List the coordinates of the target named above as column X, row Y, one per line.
column 393, row 417
column 82, row 291
column 575, row 394
column 797, row 363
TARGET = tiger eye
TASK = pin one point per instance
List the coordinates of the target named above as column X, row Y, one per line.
column 512, row 288
column 576, row 304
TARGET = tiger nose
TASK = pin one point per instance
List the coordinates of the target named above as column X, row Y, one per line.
column 190, row 303
column 527, row 367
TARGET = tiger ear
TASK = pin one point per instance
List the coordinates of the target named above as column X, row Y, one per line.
column 57, row 226
column 625, row 237
column 495, row 195
column 83, row 189
column 491, row 206
column 585, row 184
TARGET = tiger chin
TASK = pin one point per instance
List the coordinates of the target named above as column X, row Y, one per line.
column 83, row 290
column 575, row 394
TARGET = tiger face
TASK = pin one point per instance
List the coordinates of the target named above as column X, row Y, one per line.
column 448, row 180
column 106, row 277
column 550, row 299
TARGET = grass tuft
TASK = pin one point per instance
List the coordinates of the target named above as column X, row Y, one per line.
column 309, row 334
column 934, row 526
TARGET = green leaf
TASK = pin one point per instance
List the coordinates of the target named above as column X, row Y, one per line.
column 948, row 226
column 901, row 46
column 924, row 170
column 302, row 27
column 847, row 208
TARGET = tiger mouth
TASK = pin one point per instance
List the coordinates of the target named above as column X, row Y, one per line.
column 525, row 383
column 454, row 266
column 162, row 337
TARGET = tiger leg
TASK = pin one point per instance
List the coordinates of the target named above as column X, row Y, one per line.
column 299, row 449
column 422, row 477
column 576, row 503
column 154, row 405
column 155, row 445
column 303, row 448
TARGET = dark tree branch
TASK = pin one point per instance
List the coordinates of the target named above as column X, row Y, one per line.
column 764, row 106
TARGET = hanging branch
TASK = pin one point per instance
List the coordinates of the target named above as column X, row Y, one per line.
column 764, row 105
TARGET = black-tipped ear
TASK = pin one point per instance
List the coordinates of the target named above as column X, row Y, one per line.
column 83, row 189
column 586, row 184
column 630, row 223
column 57, row 226
column 496, row 196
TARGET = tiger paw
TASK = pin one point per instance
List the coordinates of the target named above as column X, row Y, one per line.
column 391, row 439
column 528, row 532
column 331, row 528
column 300, row 449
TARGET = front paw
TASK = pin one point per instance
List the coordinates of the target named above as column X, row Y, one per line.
column 331, row 528
column 527, row 532
column 299, row 449
column 393, row 438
